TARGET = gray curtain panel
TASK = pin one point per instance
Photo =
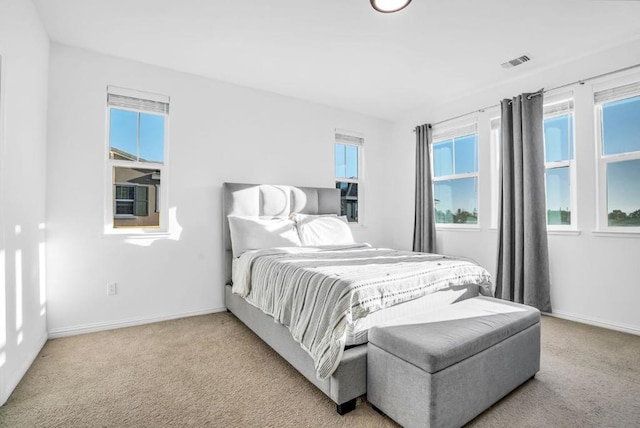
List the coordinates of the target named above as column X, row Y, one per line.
column 523, row 259
column 424, row 229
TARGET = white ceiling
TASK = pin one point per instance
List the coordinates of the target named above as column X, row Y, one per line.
column 342, row 53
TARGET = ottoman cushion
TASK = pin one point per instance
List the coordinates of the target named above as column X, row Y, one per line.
column 445, row 337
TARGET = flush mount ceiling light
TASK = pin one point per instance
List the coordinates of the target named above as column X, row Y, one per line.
column 389, row 6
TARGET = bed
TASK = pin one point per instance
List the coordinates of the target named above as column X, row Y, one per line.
column 342, row 379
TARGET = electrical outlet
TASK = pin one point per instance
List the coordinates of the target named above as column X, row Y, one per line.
column 112, row 289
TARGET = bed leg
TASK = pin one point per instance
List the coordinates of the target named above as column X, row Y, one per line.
column 345, row 408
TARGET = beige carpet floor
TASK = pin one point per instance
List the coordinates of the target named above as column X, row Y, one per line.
column 212, row 371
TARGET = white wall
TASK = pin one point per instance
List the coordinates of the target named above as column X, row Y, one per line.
column 594, row 278
column 218, row 132
column 24, row 51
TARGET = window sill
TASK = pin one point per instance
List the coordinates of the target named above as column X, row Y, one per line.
column 136, row 233
column 564, row 232
column 616, row 234
column 458, row 228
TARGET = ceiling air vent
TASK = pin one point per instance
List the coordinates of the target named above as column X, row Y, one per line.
column 517, row 61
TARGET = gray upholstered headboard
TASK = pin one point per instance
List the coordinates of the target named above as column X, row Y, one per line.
column 269, row 200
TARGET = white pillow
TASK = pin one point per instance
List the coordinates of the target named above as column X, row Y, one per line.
column 298, row 217
column 254, row 233
column 324, row 230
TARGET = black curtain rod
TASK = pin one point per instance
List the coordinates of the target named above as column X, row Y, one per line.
column 581, row 82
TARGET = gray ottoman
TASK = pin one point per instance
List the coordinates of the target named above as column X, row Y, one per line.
column 444, row 368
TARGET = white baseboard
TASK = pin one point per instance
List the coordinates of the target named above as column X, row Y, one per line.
column 596, row 322
column 91, row 328
column 14, row 378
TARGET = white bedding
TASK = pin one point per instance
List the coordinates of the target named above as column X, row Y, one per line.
column 318, row 292
column 356, row 331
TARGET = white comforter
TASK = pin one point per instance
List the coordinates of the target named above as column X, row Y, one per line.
column 316, row 291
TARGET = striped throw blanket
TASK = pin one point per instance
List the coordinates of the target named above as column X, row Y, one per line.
column 316, row 291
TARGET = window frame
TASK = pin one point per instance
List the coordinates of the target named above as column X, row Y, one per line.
column 603, row 161
column 494, row 120
column 353, row 139
column 111, row 164
column 495, row 152
column 453, row 131
column 566, row 97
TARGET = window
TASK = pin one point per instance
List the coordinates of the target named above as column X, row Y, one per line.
column 348, row 161
column 618, row 114
column 558, row 152
column 137, row 124
column 455, row 174
column 124, row 200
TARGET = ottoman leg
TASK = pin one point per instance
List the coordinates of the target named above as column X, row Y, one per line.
column 346, row 407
